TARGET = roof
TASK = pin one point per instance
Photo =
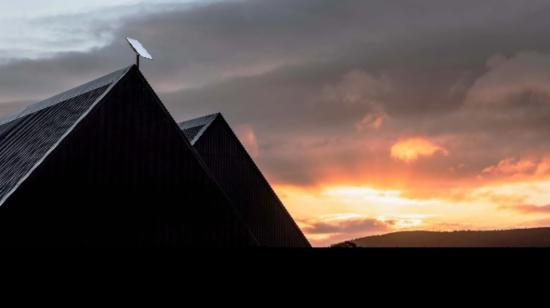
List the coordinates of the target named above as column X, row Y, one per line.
column 243, row 182
column 193, row 129
column 85, row 88
column 27, row 137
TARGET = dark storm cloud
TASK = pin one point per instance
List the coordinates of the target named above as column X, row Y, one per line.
column 317, row 80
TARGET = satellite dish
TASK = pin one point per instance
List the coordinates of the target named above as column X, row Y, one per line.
column 139, row 50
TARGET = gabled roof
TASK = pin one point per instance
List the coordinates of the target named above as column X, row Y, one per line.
column 243, row 182
column 27, row 137
column 110, row 156
column 75, row 92
column 193, row 129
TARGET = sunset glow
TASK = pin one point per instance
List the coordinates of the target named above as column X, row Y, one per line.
column 366, row 117
column 341, row 213
column 411, row 149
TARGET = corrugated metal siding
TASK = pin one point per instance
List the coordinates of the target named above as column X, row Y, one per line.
column 67, row 95
column 191, row 132
column 24, row 141
column 247, row 187
column 193, row 129
column 126, row 175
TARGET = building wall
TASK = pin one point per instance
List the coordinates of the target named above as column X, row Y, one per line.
column 125, row 176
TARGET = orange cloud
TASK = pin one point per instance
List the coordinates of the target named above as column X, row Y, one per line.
column 340, row 223
column 334, row 228
column 543, row 168
column 332, row 214
column 370, row 121
column 512, row 166
column 529, row 209
column 520, row 168
column 410, row 149
column 249, row 139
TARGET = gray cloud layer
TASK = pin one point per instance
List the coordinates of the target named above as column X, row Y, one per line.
column 304, row 75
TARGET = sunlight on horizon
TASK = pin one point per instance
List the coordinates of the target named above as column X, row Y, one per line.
column 347, row 212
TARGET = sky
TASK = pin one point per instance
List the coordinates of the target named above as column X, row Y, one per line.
column 367, row 117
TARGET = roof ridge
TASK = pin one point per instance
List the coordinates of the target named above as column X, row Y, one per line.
column 198, row 120
column 204, row 122
column 66, row 95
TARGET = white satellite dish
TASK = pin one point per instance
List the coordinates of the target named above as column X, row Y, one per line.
column 139, row 50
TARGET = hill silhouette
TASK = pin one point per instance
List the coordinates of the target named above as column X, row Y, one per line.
column 538, row 237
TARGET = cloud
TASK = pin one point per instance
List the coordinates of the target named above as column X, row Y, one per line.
column 334, row 228
column 331, row 229
column 512, row 166
column 507, row 106
column 358, row 88
column 529, row 209
column 329, row 91
column 508, row 79
column 370, row 121
column 320, row 91
column 520, row 168
column 411, row 149
column 66, row 26
column 359, row 93
column 496, row 60
column 249, row 139
column 344, row 224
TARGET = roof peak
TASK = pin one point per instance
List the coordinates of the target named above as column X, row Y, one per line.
column 199, row 120
column 194, row 128
column 74, row 92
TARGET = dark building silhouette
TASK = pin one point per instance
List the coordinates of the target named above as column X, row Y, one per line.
column 105, row 165
column 243, row 182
